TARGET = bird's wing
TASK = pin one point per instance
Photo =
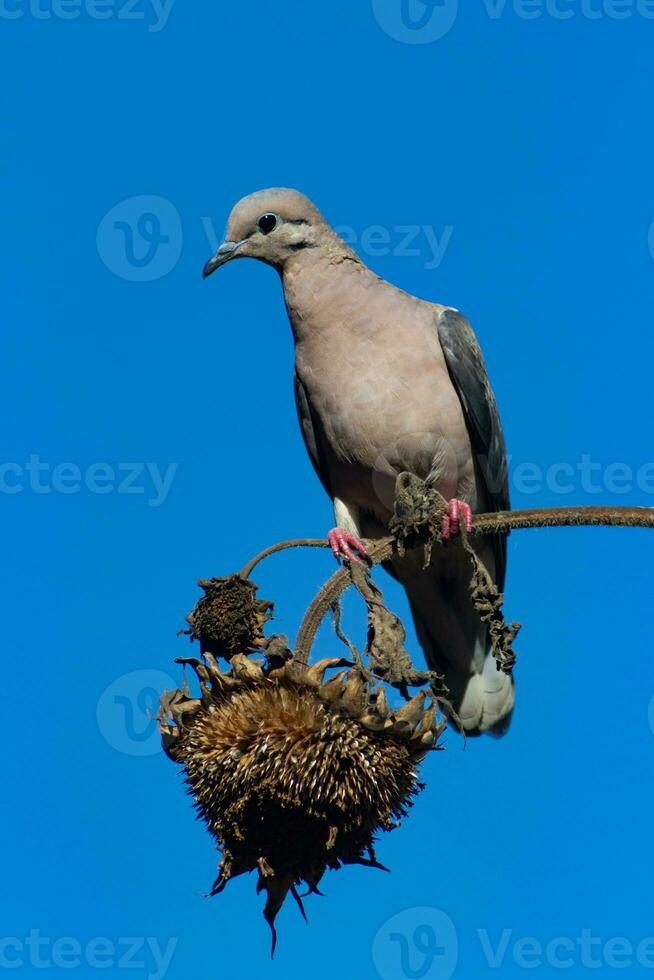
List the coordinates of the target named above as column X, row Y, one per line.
column 468, row 372
column 310, row 427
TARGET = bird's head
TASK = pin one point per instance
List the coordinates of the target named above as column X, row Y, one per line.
column 273, row 226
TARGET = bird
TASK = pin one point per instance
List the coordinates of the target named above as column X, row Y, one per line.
column 386, row 383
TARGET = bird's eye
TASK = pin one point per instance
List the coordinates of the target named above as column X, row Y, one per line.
column 267, row 223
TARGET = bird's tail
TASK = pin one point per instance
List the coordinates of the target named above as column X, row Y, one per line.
column 456, row 644
column 481, row 695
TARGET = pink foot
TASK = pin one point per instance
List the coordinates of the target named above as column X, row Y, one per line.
column 451, row 523
column 342, row 544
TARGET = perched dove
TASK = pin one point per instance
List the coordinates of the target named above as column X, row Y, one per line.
column 387, row 383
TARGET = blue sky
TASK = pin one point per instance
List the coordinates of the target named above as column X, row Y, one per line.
column 150, row 439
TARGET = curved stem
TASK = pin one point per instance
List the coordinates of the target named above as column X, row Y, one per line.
column 331, row 591
column 514, row 520
column 499, row 523
column 282, row 546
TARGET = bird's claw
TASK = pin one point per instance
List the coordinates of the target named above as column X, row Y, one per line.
column 451, row 522
column 345, row 545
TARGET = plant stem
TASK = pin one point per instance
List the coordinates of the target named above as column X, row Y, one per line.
column 503, row 521
column 499, row 523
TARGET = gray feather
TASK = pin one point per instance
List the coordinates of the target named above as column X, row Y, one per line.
column 467, row 369
column 310, row 429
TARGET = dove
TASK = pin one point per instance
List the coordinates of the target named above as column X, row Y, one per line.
column 387, row 383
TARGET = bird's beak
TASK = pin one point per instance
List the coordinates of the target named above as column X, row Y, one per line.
column 224, row 254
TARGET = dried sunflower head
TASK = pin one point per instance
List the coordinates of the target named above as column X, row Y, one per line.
column 294, row 773
column 229, row 619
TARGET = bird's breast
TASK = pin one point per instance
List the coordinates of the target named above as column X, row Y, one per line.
column 375, row 375
column 373, row 429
